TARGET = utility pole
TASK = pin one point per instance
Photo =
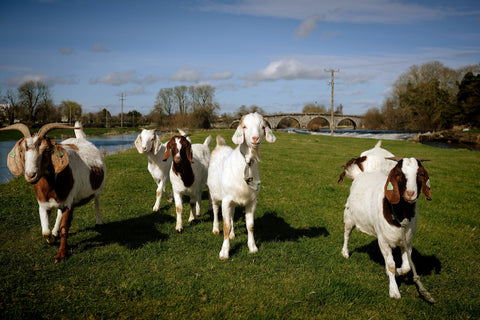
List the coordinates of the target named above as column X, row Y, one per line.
column 122, row 97
column 331, row 110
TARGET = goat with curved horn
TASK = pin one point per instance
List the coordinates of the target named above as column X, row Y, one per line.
column 65, row 175
column 50, row 126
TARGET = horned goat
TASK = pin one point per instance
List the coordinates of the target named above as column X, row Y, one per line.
column 65, row 175
column 234, row 179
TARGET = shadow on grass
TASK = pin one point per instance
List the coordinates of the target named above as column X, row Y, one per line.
column 425, row 265
column 131, row 233
column 270, row 227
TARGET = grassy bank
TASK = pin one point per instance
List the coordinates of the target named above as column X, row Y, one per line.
column 137, row 266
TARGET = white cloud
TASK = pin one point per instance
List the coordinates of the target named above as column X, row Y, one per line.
column 221, row 75
column 119, row 78
column 286, row 69
column 50, row 80
column 66, row 51
column 307, row 26
column 187, row 75
column 370, row 11
column 100, row 47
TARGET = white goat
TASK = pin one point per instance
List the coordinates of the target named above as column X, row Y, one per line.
column 234, row 179
column 384, row 206
column 65, row 175
column 371, row 160
column 149, row 143
column 188, row 173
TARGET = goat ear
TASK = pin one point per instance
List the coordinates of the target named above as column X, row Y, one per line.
column 342, row 175
column 138, row 143
column 238, row 136
column 15, row 159
column 157, row 145
column 426, row 186
column 392, row 193
column 269, row 135
column 167, row 152
column 59, row 158
column 189, row 153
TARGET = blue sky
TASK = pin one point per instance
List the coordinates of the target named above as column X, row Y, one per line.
column 271, row 53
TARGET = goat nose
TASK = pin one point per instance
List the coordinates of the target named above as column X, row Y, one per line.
column 410, row 194
column 255, row 139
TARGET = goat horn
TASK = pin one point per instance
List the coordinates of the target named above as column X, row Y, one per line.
column 394, row 158
column 50, row 126
column 20, row 127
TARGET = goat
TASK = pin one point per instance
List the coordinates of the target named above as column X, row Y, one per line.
column 384, row 206
column 188, row 173
column 149, row 143
column 65, row 175
column 371, row 160
column 234, row 179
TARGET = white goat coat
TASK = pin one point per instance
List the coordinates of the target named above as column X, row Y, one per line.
column 227, row 180
column 364, row 208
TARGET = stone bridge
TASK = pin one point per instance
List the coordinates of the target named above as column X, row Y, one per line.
column 304, row 119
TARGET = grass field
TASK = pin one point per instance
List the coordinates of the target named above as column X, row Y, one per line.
column 137, row 267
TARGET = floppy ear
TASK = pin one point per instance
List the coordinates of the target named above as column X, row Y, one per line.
column 269, row 134
column 59, row 158
column 239, row 134
column 392, row 193
column 167, row 152
column 138, row 143
column 426, row 185
column 157, row 145
column 189, row 153
column 15, row 159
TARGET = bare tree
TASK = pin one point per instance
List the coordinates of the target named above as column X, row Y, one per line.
column 314, row 108
column 165, row 101
column 32, row 96
column 181, row 99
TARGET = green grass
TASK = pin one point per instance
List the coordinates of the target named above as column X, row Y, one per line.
column 137, row 266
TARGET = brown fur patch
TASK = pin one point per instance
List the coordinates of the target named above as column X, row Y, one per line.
column 96, row 177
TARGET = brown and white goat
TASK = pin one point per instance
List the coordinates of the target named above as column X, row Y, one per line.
column 384, row 206
column 64, row 175
column 188, row 173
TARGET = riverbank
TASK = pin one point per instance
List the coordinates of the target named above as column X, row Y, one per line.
column 461, row 139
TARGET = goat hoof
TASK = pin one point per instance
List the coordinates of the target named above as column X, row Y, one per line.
column 345, row 254
column 49, row 238
column 216, row 232
column 60, row 257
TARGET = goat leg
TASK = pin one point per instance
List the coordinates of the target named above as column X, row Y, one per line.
column 64, row 227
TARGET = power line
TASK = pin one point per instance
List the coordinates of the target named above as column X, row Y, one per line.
column 331, row 110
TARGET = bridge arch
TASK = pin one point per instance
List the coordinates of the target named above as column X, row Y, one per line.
column 288, row 122
column 318, row 123
column 346, row 122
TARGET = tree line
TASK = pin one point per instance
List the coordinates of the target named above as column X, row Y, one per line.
column 426, row 97
column 33, row 105
column 430, row 97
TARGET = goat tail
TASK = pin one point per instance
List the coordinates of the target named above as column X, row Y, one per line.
column 79, row 134
column 379, row 144
column 208, row 141
column 221, row 141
